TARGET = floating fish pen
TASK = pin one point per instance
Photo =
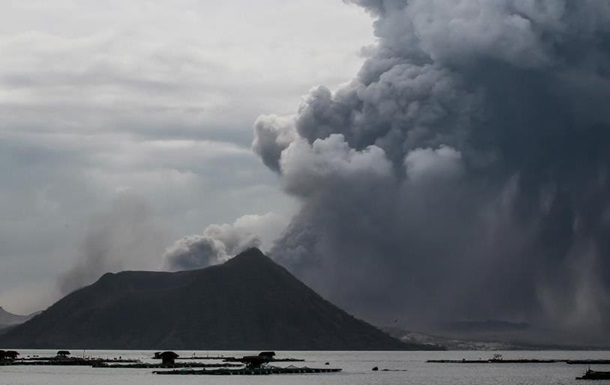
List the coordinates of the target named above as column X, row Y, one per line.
column 64, row 360
column 143, row 365
column 588, row 362
column 228, row 358
column 523, row 361
column 269, row 370
column 48, row 363
column 492, row 361
column 287, row 359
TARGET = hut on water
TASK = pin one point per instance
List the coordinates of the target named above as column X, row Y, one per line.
column 167, row 358
column 62, row 354
column 6, row 355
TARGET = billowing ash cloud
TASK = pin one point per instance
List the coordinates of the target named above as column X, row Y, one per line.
column 218, row 243
column 124, row 236
column 464, row 173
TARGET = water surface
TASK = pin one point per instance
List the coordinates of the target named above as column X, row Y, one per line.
column 356, row 369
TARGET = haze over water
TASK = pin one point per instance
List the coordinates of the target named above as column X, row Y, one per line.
column 356, row 369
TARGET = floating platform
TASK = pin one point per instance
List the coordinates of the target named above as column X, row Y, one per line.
column 524, row 361
column 287, row 359
column 143, row 365
column 588, row 362
column 120, row 364
column 251, row 371
column 47, row 363
column 493, row 361
column 72, row 361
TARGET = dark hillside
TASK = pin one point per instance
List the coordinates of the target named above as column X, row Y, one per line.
column 247, row 303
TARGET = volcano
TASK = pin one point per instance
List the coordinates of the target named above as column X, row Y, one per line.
column 247, row 303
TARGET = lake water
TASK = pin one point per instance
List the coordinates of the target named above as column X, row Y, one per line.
column 356, row 369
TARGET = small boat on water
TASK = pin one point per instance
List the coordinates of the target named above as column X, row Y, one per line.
column 594, row 375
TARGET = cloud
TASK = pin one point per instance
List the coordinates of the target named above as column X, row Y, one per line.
column 306, row 168
column 463, row 173
column 272, row 135
column 154, row 99
column 218, row 243
column 444, row 162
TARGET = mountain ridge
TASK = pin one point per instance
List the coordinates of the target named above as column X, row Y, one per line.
column 247, row 303
column 9, row 319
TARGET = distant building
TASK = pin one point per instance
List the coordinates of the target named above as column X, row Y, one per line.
column 257, row 361
column 268, row 355
column 62, row 354
column 6, row 355
column 167, row 358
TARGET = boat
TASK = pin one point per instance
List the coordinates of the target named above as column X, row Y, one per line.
column 594, row 375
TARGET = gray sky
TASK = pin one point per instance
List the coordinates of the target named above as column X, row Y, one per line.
column 457, row 168
column 125, row 126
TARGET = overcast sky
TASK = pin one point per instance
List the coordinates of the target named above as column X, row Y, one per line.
column 126, row 125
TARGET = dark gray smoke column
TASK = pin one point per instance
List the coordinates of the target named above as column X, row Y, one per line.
column 464, row 173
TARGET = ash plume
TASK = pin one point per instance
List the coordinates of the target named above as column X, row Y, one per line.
column 464, row 173
column 123, row 236
column 218, row 243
